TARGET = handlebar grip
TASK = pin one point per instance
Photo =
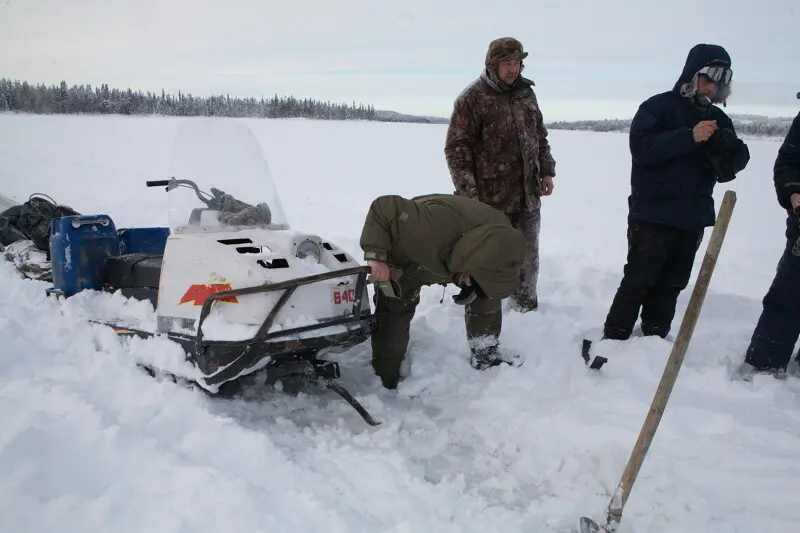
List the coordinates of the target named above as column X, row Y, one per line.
column 158, row 183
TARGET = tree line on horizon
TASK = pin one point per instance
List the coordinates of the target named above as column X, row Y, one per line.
column 24, row 97
column 744, row 125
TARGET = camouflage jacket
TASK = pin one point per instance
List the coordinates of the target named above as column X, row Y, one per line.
column 496, row 145
column 429, row 239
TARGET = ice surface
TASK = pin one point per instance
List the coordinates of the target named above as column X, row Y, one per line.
column 90, row 443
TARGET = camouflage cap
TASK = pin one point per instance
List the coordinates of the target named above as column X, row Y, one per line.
column 504, row 49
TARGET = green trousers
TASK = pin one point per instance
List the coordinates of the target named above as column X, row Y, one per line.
column 483, row 319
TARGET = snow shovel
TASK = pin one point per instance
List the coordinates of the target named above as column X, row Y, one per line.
column 669, row 376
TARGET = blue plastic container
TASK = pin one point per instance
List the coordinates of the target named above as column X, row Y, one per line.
column 79, row 247
column 142, row 240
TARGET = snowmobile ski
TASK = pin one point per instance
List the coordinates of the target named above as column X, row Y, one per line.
column 318, row 372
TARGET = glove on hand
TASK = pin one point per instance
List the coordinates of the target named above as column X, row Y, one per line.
column 723, row 141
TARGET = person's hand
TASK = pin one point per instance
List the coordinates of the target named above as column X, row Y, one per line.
column 704, row 129
column 547, row 185
column 795, row 200
column 380, row 270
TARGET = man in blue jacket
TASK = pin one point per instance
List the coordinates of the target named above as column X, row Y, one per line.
column 778, row 327
column 681, row 146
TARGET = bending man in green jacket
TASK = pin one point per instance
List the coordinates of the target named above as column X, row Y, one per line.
column 438, row 239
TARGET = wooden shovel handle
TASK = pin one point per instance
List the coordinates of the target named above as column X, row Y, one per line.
column 675, row 361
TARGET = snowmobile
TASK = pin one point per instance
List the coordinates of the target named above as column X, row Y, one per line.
column 231, row 283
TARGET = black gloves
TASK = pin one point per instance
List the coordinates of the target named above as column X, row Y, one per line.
column 720, row 148
column 468, row 293
column 724, row 141
column 466, row 296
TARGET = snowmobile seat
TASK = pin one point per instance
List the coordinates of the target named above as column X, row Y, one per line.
column 136, row 270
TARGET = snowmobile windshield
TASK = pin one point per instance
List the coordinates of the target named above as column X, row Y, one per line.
column 6, row 203
column 223, row 158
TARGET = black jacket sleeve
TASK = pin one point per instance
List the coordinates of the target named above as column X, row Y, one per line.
column 740, row 154
column 786, row 172
column 740, row 158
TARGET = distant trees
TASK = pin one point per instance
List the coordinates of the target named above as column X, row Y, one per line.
column 21, row 96
column 744, row 124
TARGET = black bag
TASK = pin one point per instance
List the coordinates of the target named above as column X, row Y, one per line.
column 8, row 231
column 32, row 220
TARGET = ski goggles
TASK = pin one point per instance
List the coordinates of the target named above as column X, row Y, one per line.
column 718, row 74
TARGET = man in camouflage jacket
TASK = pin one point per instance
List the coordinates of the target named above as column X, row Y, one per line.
column 497, row 151
column 436, row 239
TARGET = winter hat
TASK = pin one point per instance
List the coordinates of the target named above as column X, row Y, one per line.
column 504, row 49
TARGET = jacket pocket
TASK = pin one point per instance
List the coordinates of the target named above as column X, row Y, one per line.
column 531, row 113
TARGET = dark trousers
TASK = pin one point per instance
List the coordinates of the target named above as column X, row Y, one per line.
column 392, row 332
column 483, row 319
column 659, row 265
column 778, row 327
column 526, row 298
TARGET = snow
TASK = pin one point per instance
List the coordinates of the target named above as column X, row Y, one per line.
column 91, row 443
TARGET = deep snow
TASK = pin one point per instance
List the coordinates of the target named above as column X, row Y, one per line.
column 90, row 443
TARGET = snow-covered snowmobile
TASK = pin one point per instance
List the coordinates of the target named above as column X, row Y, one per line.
column 238, row 289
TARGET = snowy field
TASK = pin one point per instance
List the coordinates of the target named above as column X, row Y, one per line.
column 88, row 443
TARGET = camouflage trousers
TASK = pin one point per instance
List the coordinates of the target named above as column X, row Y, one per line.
column 483, row 319
column 529, row 222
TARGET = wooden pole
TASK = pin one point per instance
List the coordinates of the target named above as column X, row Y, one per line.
column 670, row 375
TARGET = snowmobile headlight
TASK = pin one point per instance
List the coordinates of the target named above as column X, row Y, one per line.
column 309, row 248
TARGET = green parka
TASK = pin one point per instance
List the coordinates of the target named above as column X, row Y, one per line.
column 430, row 239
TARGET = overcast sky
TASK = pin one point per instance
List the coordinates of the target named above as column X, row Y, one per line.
column 588, row 58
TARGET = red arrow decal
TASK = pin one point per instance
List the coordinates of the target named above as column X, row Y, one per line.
column 198, row 293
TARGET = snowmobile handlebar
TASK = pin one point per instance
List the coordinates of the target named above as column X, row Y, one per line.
column 174, row 183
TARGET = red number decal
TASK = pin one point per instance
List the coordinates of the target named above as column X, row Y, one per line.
column 347, row 295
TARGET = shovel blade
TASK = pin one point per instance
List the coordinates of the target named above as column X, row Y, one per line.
column 590, row 526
